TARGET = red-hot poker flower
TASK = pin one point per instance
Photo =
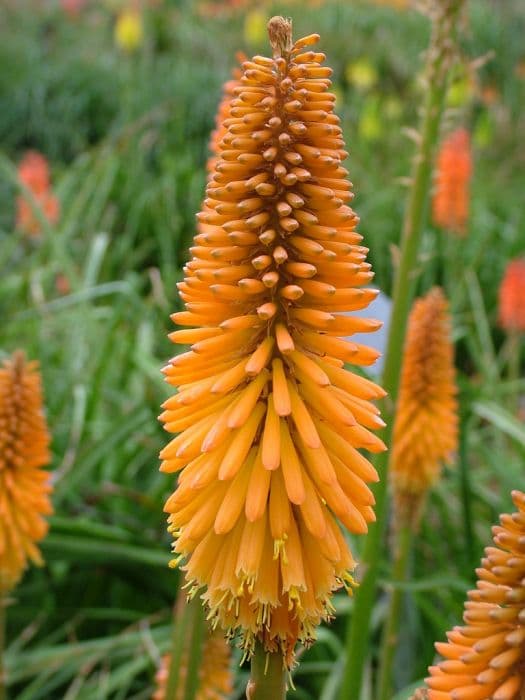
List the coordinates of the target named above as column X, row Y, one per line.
column 270, row 421
column 24, row 485
column 485, row 659
column 512, row 297
column 228, row 94
column 426, row 425
column 215, row 675
column 450, row 205
column 33, row 172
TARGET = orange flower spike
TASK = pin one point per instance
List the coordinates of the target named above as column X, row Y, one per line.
column 485, row 659
column 512, row 296
column 450, row 205
column 223, row 111
column 271, row 422
column 24, row 485
column 215, row 675
column 33, row 173
column 425, row 430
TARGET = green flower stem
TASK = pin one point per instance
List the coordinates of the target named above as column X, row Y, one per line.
column 514, row 353
column 268, row 676
column 439, row 59
column 3, row 679
column 403, row 547
column 188, row 629
column 471, row 553
column 182, row 618
column 195, row 650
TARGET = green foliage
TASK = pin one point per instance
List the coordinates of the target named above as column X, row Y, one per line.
column 126, row 136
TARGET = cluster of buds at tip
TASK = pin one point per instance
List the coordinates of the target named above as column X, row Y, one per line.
column 450, row 205
column 512, row 297
column 485, row 659
column 425, row 433
column 33, row 173
column 270, row 422
column 24, row 485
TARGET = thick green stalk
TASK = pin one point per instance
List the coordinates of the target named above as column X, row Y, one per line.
column 182, row 617
column 403, row 546
column 471, row 553
column 3, row 679
column 268, row 676
column 195, row 650
column 439, row 59
column 514, row 355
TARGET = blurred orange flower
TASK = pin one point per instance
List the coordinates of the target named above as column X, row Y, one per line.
column 485, row 659
column 215, row 675
column 33, row 173
column 24, row 485
column 512, row 297
column 426, row 424
column 228, row 93
column 450, row 206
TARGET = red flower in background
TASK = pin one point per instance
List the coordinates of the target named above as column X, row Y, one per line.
column 73, row 8
column 450, row 206
column 512, row 297
column 33, row 173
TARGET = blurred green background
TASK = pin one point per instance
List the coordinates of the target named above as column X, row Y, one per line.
column 124, row 120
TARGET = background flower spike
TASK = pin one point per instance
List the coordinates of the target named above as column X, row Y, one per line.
column 24, row 484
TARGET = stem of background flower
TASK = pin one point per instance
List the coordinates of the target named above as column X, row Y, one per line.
column 402, row 546
column 439, row 59
column 3, row 680
column 268, row 676
column 513, row 347
column 182, row 615
column 471, row 554
column 194, row 650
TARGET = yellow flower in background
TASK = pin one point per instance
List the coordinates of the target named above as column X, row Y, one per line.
column 255, row 27
column 370, row 125
column 129, row 30
column 24, row 484
column 270, row 422
column 483, row 133
column 337, row 91
column 392, row 107
column 460, row 91
column 361, row 74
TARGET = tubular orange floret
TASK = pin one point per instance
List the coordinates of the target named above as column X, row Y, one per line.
column 425, row 431
column 450, row 205
column 485, row 659
column 511, row 296
column 269, row 459
column 33, row 173
column 24, row 485
column 215, row 675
